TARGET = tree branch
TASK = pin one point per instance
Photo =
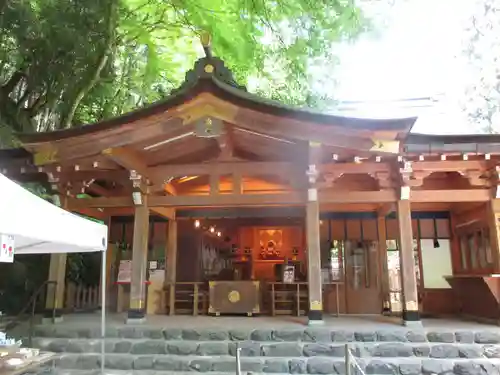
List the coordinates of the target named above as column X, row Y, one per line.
column 68, row 118
column 101, row 63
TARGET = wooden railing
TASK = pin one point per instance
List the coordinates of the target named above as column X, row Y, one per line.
column 185, row 298
column 80, row 297
column 192, row 298
column 288, row 298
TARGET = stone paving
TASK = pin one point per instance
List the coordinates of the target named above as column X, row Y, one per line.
column 165, row 345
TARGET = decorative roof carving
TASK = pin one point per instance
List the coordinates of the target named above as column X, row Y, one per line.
column 208, row 67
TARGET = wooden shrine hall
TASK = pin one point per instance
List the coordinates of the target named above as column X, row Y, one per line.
column 220, row 202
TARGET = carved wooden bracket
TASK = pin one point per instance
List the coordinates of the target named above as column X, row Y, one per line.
column 139, row 182
column 493, row 177
column 330, row 179
column 384, row 179
column 476, row 178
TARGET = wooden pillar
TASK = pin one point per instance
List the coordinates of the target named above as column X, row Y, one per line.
column 383, row 269
column 137, row 306
column 171, row 265
column 54, row 302
column 315, row 314
column 108, row 260
column 411, row 316
column 171, row 253
column 494, row 226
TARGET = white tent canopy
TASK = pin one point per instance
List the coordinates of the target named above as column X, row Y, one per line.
column 39, row 227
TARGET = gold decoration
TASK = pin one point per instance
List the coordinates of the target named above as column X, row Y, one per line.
column 233, row 296
column 209, row 68
column 384, row 145
column 136, row 304
column 108, row 151
column 314, row 144
column 205, row 39
column 315, row 305
column 199, row 108
column 45, row 155
column 211, row 284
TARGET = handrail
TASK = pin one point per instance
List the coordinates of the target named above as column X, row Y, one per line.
column 351, row 361
column 32, row 303
column 238, row 359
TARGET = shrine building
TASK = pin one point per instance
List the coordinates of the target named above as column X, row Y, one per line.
column 220, row 202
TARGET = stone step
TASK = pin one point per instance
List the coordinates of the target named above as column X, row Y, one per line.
column 274, row 365
column 270, row 349
column 323, row 334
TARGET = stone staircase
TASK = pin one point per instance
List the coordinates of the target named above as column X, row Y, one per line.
column 319, row 350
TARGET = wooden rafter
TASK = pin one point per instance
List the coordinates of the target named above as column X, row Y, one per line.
column 132, row 160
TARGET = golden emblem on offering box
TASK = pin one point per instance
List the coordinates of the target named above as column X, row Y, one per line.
column 233, row 296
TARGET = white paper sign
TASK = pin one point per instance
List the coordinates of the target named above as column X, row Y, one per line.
column 125, row 272
column 6, row 248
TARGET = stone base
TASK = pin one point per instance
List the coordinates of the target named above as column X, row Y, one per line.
column 136, row 316
column 52, row 316
column 315, row 317
column 412, row 319
column 413, row 324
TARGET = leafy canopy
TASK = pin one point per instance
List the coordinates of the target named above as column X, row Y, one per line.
column 72, row 62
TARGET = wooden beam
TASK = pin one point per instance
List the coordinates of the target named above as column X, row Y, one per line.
column 169, row 213
column 380, row 196
column 228, row 200
column 244, row 168
column 101, row 202
column 386, row 209
column 445, row 196
column 133, row 160
column 114, row 175
column 354, row 168
column 450, row 165
column 92, row 212
column 97, row 189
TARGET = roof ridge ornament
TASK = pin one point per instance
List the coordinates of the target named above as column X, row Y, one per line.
column 206, row 41
column 208, row 67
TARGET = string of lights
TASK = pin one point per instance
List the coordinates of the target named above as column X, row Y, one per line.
column 209, row 228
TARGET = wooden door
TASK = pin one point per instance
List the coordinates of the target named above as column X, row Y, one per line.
column 361, row 277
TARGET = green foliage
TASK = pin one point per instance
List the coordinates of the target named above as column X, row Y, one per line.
column 67, row 63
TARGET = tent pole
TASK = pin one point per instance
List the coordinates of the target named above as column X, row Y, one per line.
column 103, row 310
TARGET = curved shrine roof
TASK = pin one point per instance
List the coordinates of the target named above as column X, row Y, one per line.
column 211, row 76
